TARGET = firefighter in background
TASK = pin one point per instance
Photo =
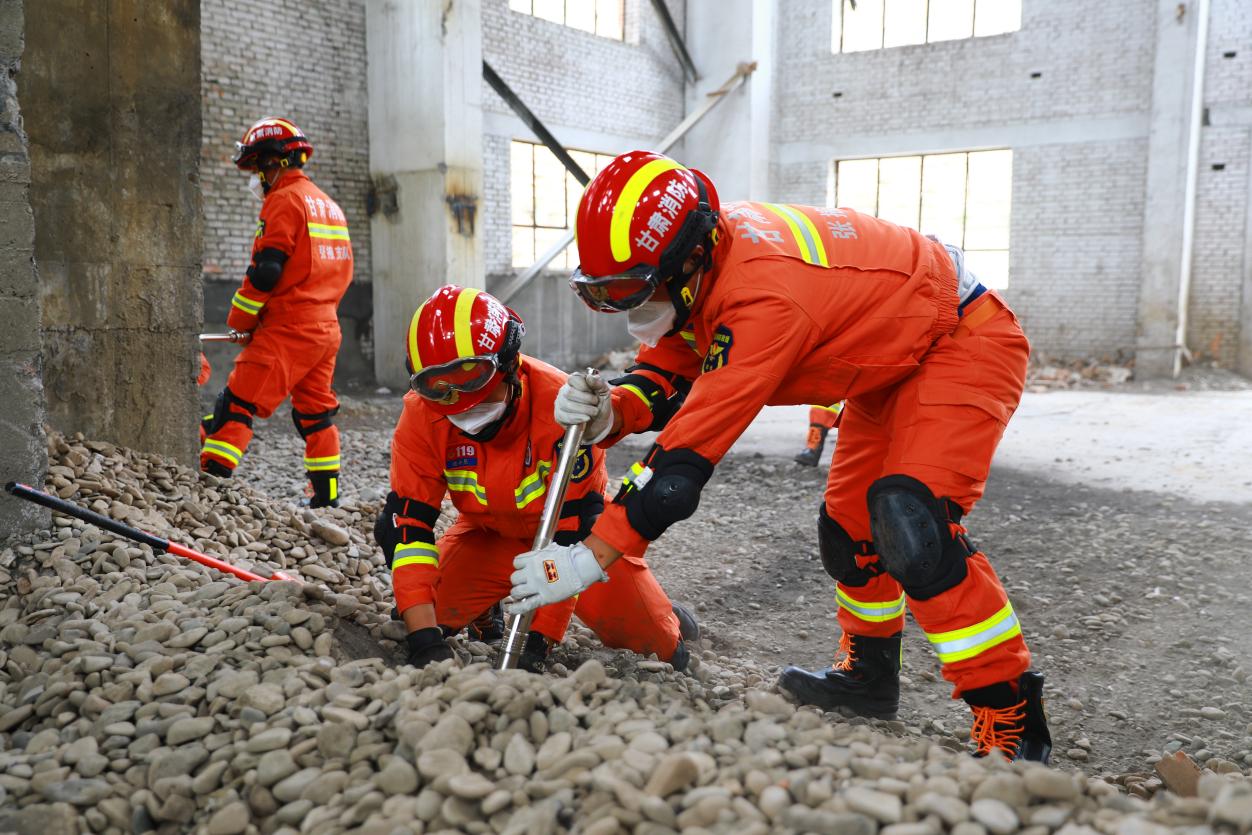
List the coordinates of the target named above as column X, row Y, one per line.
column 822, row 419
column 788, row 305
column 479, row 424
column 301, row 266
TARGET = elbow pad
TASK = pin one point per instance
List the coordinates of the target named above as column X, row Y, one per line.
column 663, row 491
column 266, row 268
column 662, row 405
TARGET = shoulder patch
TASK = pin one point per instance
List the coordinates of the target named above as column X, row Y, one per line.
column 719, row 349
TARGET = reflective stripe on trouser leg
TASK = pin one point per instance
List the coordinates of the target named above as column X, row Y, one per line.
column 974, row 630
column 874, row 610
column 227, row 445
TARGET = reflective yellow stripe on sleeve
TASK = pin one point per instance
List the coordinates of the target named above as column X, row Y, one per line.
column 960, row 644
column 875, row 612
column 465, row 481
column 246, row 304
column 637, row 393
column 415, row 553
column 533, row 486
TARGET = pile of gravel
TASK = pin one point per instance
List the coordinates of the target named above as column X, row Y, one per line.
column 140, row 692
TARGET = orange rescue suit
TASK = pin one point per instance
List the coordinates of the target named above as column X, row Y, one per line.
column 498, row 488
column 805, row 305
column 295, row 328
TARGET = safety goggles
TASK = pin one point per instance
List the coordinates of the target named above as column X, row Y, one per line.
column 615, row 293
column 465, row 375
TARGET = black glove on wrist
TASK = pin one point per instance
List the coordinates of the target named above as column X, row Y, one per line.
column 426, row 646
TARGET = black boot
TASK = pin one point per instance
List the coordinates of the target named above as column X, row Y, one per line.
column 1010, row 719
column 688, row 628
column 813, row 449
column 534, row 653
column 867, row 680
column 217, row 468
column 323, row 490
column 489, row 626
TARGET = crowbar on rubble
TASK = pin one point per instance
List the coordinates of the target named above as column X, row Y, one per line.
column 30, row 494
column 519, row 625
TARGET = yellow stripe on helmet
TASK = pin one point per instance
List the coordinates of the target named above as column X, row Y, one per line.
column 414, row 357
column 624, row 211
column 461, row 321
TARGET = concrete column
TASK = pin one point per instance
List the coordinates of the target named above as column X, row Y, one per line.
column 426, row 160
column 1244, row 357
column 732, row 143
column 1173, row 146
column 21, row 389
column 115, row 163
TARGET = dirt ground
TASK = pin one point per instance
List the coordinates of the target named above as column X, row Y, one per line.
column 1136, row 605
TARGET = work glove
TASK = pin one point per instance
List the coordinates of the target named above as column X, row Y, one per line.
column 552, row 574
column 584, row 399
column 427, row 646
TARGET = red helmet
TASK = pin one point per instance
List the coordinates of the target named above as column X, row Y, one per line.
column 638, row 222
column 461, row 343
column 271, row 136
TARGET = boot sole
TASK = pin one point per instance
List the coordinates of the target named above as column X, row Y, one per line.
column 809, row 694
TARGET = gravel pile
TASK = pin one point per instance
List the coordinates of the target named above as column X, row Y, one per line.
column 139, row 692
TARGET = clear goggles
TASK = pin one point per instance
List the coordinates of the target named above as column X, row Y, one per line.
column 615, row 293
column 467, row 374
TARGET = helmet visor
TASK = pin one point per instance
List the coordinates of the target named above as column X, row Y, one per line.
column 469, row 374
column 615, row 293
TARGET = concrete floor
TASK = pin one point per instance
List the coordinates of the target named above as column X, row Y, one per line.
column 1192, row 444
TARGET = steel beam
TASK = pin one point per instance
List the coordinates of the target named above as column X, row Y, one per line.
column 532, row 121
column 676, row 41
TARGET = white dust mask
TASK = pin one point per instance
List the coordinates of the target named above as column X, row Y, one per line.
column 650, row 321
column 256, row 186
column 477, row 418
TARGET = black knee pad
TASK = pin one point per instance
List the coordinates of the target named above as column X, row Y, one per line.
column 912, row 537
column 325, row 420
column 223, row 414
column 839, row 552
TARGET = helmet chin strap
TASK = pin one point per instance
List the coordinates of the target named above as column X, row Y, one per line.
column 683, row 296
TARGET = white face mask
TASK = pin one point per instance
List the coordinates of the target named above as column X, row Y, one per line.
column 650, row 321
column 256, row 187
column 476, row 418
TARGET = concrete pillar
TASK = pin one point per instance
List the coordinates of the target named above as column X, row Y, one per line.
column 115, row 161
column 21, row 390
column 1173, row 146
column 426, row 160
column 732, row 143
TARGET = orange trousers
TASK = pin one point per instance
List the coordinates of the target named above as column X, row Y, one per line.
column 631, row 611
column 941, row 426
column 296, row 360
column 825, row 416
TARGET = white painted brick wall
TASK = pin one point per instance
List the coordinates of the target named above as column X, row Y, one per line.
column 303, row 59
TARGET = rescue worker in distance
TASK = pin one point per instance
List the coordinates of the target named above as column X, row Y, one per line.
column 767, row 304
column 478, row 423
column 822, row 419
column 300, row 268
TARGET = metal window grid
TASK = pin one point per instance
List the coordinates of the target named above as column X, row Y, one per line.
column 882, row 33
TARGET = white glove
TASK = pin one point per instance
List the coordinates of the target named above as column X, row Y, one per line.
column 553, row 574
column 584, row 399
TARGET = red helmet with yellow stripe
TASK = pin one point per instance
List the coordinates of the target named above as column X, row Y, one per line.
column 461, row 343
column 271, row 136
column 638, row 222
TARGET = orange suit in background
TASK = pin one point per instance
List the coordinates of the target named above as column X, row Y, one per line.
column 295, row 331
column 498, row 488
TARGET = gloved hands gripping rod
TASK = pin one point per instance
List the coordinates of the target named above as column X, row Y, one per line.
column 519, row 625
column 157, row 543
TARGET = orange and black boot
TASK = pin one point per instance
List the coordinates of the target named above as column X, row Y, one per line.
column 1009, row 716
column 489, row 626
column 323, row 489
column 534, row 655
column 866, row 680
column 812, row 452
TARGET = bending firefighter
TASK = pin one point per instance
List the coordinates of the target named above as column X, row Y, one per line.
column 822, row 419
column 767, row 304
column 300, row 268
column 479, row 424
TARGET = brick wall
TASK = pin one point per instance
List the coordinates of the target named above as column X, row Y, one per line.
column 303, row 59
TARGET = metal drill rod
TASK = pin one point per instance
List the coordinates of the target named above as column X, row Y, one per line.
column 233, row 336
column 519, row 625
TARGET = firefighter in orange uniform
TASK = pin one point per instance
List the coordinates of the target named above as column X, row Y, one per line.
column 479, row 424
column 301, row 266
column 788, row 305
column 822, row 419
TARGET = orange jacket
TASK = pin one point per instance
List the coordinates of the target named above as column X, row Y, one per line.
column 802, row 305
column 300, row 221
column 498, row 485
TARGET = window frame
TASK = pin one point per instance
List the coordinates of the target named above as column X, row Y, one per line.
column 599, row 160
column 841, row 8
column 620, row 35
column 834, row 202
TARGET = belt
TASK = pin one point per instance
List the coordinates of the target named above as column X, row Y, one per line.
column 977, row 311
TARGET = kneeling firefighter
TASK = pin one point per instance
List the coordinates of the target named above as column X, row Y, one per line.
column 478, row 424
column 300, row 268
column 767, row 304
